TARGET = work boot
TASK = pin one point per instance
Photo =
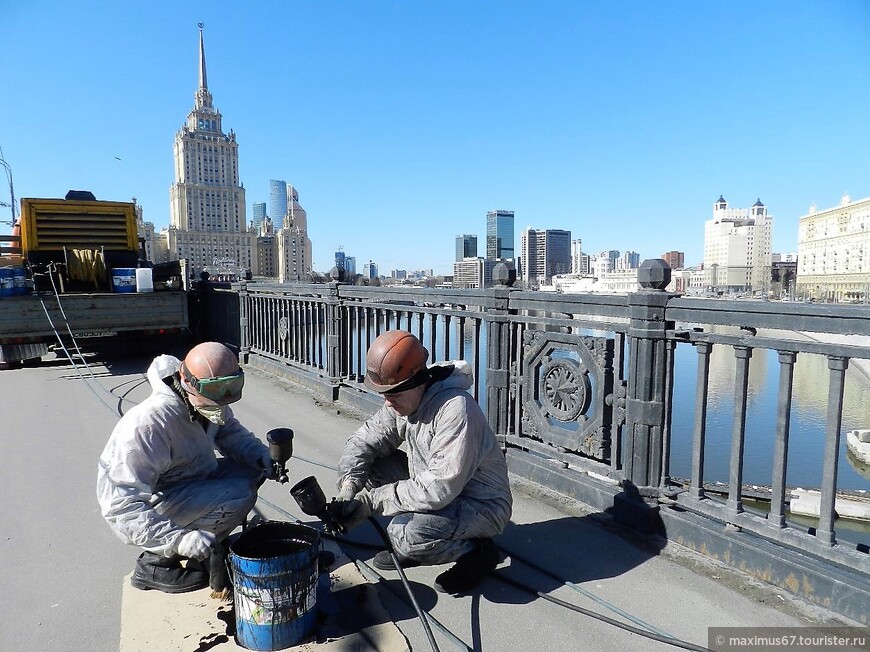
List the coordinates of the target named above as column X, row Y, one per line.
column 167, row 574
column 469, row 569
column 384, row 561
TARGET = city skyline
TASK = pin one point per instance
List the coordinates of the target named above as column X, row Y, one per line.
column 622, row 123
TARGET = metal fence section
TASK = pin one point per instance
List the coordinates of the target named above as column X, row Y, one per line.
column 580, row 390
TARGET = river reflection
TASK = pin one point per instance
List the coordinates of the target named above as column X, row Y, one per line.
column 808, row 418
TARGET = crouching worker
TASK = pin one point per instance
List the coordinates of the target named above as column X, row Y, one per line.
column 449, row 495
column 160, row 485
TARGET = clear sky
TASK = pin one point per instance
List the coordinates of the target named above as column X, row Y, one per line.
column 402, row 123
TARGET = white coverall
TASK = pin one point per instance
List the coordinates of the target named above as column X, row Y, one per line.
column 453, row 486
column 159, row 477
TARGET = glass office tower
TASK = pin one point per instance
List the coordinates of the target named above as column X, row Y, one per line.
column 500, row 235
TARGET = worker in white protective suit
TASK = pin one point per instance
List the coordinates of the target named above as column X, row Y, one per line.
column 160, row 485
column 449, row 493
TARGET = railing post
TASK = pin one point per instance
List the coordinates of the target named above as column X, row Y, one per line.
column 498, row 353
column 646, row 404
column 334, row 338
column 244, row 334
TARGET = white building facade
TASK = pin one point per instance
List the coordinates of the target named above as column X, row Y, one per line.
column 833, row 259
column 737, row 247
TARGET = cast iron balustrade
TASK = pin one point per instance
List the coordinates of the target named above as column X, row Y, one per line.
column 580, row 391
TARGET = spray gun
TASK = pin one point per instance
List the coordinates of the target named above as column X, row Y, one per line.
column 312, row 501
column 281, row 449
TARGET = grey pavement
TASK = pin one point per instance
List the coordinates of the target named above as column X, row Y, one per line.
column 64, row 572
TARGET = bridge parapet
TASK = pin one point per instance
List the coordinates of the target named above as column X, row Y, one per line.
column 580, row 391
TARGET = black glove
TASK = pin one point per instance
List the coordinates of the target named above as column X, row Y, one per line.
column 347, row 514
column 270, row 468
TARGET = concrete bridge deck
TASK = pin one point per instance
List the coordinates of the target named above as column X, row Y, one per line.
column 65, row 575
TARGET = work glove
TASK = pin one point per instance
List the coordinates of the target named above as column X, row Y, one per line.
column 196, row 544
column 347, row 491
column 349, row 513
column 268, row 465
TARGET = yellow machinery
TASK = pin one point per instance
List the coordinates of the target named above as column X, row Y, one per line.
column 82, row 237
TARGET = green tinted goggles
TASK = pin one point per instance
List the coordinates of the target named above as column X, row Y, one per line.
column 221, row 389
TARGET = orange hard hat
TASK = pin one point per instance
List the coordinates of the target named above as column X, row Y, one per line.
column 394, row 358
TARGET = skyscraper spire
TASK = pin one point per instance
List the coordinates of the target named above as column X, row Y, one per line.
column 203, row 80
column 203, row 97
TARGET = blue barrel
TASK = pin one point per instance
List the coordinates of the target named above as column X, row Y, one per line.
column 274, row 569
column 19, row 285
column 7, row 282
column 124, row 279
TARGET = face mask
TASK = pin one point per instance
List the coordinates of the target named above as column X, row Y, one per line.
column 214, row 413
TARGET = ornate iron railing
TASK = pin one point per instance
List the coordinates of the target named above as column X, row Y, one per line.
column 580, row 388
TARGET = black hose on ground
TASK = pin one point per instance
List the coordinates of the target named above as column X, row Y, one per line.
column 610, row 621
column 420, row 614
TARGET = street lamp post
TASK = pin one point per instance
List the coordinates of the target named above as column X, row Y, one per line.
column 8, row 169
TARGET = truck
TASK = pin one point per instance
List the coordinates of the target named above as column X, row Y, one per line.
column 73, row 262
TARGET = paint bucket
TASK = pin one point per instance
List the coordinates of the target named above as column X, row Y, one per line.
column 19, row 277
column 7, row 282
column 124, row 279
column 274, row 570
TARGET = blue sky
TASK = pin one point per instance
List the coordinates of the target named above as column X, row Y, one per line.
column 402, row 123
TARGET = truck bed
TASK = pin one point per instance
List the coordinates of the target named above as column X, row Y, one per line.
column 23, row 318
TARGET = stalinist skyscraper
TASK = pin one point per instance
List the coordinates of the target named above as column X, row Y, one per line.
column 207, row 203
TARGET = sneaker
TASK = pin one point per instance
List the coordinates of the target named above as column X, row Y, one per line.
column 166, row 574
column 469, row 569
column 384, row 561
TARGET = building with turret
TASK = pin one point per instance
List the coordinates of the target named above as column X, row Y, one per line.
column 737, row 248
column 207, row 223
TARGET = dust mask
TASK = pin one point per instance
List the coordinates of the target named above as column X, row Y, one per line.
column 214, row 413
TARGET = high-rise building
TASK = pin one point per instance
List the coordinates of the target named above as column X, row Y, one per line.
column 267, row 253
column 370, row 270
column 500, row 235
column 675, row 259
column 577, row 256
column 277, row 201
column 737, row 247
column 544, row 254
column 833, row 258
column 350, row 266
column 294, row 247
column 628, row 260
column 207, row 203
column 340, row 260
column 258, row 216
column 466, row 246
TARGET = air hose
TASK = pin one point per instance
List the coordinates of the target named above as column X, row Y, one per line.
column 420, row 613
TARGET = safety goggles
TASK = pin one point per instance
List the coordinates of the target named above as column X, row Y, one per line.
column 221, row 389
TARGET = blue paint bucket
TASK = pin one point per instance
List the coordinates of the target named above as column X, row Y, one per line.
column 19, row 277
column 124, row 279
column 7, row 282
column 274, row 570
